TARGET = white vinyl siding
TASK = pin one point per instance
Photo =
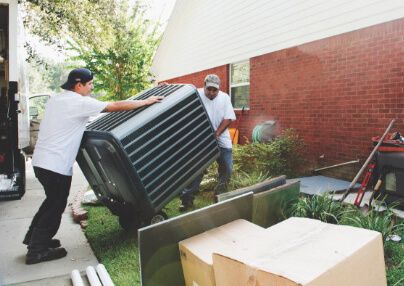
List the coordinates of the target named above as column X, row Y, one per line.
column 203, row 34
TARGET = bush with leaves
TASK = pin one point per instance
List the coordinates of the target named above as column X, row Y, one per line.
column 122, row 68
column 47, row 77
column 113, row 39
column 242, row 179
column 282, row 156
column 321, row 207
column 380, row 217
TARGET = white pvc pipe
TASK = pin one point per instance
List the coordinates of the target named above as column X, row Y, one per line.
column 104, row 276
column 76, row 278
column 92, row 276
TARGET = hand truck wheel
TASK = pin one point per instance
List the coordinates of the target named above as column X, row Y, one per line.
column 158, row 217
column 129, row 222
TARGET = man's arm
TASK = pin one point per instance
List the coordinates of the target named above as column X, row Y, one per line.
column 124, row 105
column 222, row 127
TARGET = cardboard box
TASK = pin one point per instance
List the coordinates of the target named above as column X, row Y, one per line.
column 196, row 252
column 301, row 251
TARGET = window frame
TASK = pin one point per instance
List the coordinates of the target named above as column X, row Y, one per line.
column 239, row 84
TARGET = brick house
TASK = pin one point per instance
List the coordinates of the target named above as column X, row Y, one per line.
column 332, row 70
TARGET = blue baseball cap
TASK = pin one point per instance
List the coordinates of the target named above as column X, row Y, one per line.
column 77, row 75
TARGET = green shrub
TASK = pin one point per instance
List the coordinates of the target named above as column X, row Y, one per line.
column 282, row 156
column 211, row 176
column 322, row 207
column 241, row 179
column 380, row 218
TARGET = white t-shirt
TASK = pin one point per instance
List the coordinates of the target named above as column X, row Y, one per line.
column 61, row 130
column 219, row 109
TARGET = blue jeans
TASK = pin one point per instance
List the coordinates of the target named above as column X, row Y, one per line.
column 225, row 168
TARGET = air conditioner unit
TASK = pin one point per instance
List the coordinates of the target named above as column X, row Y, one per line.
column 138, row 161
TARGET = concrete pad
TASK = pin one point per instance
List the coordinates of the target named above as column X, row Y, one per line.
column 24, row 208
column 13, row 268
column 350, row 199
column 15, row 217
column 321, row 184
column 32, row 183
column 317, row 185
column 55, row 281
column 34, row 195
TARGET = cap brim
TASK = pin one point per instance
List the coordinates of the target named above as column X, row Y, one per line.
column 211, row 84
column 67, row 85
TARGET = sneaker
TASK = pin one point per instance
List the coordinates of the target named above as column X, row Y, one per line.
column 186, row 205
column 51, row 254
column 54, row 243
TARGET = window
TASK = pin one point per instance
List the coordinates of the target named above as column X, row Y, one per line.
column 240, row 84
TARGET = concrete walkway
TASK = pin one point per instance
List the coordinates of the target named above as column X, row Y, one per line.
column 318, row 185
column 15, row 217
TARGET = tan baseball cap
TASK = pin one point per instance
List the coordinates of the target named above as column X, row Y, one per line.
column 212, row 80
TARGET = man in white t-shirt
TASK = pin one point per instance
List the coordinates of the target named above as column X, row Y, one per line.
column 221, row 113
column 59, row 139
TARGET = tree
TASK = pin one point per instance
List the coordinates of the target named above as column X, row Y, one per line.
column 113, row 39
column 47, row 76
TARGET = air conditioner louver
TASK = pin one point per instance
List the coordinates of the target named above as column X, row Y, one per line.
column 145, row 157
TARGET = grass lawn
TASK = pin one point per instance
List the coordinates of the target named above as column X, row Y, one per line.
column 118, row 249
column 394, row 258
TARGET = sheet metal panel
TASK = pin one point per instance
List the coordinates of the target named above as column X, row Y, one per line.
column 160, row 262
column 269, row 207
column 257, row 188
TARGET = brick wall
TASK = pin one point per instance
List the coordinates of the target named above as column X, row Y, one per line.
column 198, row 78
column 337, row 93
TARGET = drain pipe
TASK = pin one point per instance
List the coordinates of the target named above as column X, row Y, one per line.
column 92, row 276
column 104, row 276
column 76, row 278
